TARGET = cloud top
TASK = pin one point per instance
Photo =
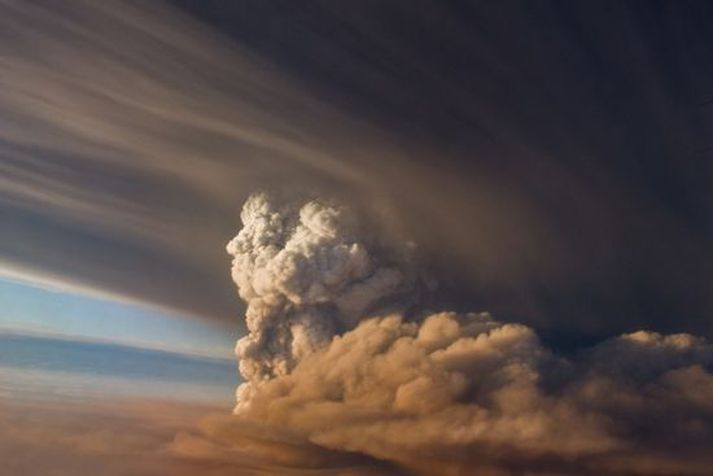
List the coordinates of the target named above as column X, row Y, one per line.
column 306, row 274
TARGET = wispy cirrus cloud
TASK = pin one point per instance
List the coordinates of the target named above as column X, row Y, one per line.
column 130, row 132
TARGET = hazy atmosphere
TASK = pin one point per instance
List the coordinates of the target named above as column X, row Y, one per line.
column 356, row 237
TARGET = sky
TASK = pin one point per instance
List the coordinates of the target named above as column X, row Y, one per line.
column 45, row 311
column 476, row 202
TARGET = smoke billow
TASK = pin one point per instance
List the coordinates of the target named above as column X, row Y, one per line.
column 307, row 275
column 331, row 359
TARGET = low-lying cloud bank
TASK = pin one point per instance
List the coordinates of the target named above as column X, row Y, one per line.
column 340, row 355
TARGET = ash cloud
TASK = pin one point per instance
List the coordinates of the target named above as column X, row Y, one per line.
column 306, row 275
column 341, row 355
column 131, row 129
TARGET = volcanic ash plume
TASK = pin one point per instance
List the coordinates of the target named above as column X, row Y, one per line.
column 328, row 358
column 306, row 275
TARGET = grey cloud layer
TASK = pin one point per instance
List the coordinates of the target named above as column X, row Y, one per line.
column 123, row 133
column 130, row 132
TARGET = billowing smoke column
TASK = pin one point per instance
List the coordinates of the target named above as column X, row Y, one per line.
column 307, row 275
column 329, row 357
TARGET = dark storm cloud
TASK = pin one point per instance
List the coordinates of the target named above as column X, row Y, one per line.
column 549, row 157
column 565, row 145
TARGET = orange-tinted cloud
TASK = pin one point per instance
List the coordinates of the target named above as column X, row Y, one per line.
column 444, row 389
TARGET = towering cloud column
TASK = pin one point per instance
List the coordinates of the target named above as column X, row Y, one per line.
column 307, row 273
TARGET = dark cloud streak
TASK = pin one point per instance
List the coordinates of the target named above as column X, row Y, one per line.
column 575, row 129
column 557, row 151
